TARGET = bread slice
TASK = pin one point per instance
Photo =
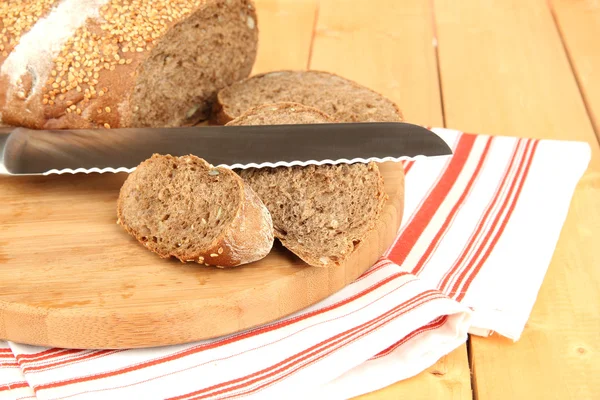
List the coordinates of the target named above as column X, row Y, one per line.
column 116, row 63
column 184, row 208
column 338, row 97
column 320, row 213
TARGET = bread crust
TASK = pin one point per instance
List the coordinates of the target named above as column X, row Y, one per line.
column 39, row 92
column 247, row 238
column 250, row 236
column 221, row 116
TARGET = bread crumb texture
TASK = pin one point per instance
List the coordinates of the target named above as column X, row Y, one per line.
column 284, row 112
column 182, row 207
column 321, row 213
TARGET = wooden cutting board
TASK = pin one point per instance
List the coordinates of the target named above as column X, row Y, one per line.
column 71, row 277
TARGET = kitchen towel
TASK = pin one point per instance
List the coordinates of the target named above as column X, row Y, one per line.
column 466, row 232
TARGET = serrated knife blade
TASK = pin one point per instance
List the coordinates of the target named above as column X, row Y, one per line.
column 45, row 152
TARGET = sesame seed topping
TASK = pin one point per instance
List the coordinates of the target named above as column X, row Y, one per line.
column 17, row 19
column 126, row 27
column 107, row 126
column 214, row 255
column 220, row 251
column 107, row 109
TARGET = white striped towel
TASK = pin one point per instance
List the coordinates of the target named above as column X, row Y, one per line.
column 467, row 226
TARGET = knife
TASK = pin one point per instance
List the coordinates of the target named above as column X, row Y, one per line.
column 45, row 152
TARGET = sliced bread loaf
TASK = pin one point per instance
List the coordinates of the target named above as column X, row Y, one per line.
column 340, row 98
column 117, row 63
column 320, row 213
column 184, row 208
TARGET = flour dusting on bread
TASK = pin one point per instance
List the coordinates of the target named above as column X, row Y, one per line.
column 39, row 46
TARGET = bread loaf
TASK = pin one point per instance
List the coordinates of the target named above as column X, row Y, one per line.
column 320, row 213
column 120, row 63
column 182, row 207
column 338, row 97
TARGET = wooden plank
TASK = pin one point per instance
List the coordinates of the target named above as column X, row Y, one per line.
column 502, row 75
column 392, row 52
column 386, row 45
column 448, row 379
column 285, row 33
column 504, row 71
column 579, row 25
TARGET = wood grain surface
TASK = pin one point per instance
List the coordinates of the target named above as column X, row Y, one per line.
column 579, row 25
column 386, row 45
column 518, row 81
column 402, row 66
column 285, row 34
column 73, row 278
column 503, row 70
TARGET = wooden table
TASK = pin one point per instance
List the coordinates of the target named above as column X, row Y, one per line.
column 508, row 67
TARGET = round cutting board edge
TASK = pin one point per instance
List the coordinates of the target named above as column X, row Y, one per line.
column 192, row 320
